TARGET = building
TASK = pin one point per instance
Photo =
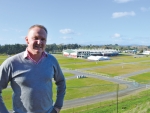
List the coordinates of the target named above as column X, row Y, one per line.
column 97, row 58
column 146, row 53
column 85, row 53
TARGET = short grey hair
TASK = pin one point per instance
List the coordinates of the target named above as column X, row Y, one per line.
column 40, row 26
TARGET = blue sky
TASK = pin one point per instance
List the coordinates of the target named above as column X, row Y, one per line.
column 101, row 22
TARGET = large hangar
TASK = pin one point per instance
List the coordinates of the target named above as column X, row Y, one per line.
column 84, row 53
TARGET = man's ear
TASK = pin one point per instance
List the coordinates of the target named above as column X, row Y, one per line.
column 26, row 38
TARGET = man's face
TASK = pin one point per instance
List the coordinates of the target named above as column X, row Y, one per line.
column 36, row 40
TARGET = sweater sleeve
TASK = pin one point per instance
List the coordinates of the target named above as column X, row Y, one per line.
column 61, row 86
column 4, row 79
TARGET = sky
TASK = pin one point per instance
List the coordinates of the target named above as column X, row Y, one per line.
column 85, row 22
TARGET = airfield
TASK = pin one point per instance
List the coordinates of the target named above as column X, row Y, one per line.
column 109, row 80
column 132, row 66
column 132, row 86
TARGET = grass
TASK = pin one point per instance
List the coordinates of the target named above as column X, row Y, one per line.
column 7, row 97
column 140, row 108
column 125, row 105
column 66, row 74
column 80, row 88
column 142, row 78
column 118, row 70
column 86, row 64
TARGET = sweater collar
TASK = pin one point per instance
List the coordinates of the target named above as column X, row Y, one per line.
column 26, row 54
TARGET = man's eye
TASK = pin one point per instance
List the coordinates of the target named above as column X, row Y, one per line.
column 35, row 38
column 43, row 39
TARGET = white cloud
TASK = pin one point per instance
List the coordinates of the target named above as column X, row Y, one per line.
column 122, row 1
column 116, row 35
column 145, row 9
column 65, row 38
column 66, row 31
column 15, row 30
column 122, row 14
column 12, row 30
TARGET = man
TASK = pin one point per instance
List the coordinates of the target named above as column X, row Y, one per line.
column 30, row 75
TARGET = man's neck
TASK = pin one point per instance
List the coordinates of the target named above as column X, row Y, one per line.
column 35, row 57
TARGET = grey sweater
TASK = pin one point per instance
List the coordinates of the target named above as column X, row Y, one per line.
column 32, row 84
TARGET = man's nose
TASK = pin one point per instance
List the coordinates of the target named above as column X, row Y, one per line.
column 39, row 41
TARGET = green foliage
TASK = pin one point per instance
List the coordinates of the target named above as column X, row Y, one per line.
column 12, row 49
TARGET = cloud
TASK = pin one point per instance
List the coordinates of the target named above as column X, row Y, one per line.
column 116, row 38
column 66, row 31
column 122, row 1
column 145, row 9
column 66, row 37
column 15, row 30
column 12, row 30
column 116, row 35
column 122, row 14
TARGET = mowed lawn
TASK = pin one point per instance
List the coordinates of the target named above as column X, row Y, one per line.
column 117, row 70
column 2, row 58
column 142, row 78
column 84, row 87
column 67, row 74
column 86, row 64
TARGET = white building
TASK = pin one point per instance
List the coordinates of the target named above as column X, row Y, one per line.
column 84, row 53
column 146, row 53
column 97, row 58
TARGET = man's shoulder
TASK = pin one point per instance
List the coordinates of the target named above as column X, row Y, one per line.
column 15, row 57
column 10, row 60
column 51, row 57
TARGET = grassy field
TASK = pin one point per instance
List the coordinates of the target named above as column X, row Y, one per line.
column 136, row 103
column 142, row 78
column 117, row 70
column 7, row 97
column 80, row 88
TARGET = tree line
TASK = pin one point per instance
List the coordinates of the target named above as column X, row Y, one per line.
column 11, row 49
column 58, row 48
